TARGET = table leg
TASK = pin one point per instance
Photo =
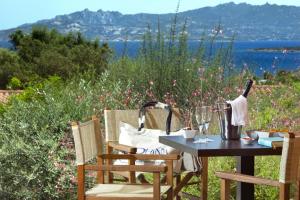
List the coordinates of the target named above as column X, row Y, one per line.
column 204, row 178
column 245, row 165
column 297, row 191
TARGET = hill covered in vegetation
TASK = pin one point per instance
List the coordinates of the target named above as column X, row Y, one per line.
column 247, row 22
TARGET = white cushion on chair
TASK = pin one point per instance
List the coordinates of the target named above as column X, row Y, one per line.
column 123, row 190
column 146, row 141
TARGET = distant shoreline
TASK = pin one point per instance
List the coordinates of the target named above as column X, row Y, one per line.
column 278, row 49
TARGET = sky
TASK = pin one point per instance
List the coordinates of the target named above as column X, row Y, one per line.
column 17, row 12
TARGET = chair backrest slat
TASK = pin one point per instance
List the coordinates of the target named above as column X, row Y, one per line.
column 289, row 165
column 155, row 119
column 87, row 144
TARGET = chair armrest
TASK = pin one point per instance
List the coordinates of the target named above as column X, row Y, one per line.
column 131, row 168
column 121, row 147
column 140, row 156
column 247, row 178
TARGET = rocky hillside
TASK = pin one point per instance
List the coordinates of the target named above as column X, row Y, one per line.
column 247, row 22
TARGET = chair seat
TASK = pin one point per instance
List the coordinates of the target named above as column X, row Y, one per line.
column 124, row 190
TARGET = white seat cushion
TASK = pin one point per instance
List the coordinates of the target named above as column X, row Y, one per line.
column 124, row 190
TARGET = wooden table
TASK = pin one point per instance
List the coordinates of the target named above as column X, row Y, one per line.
column 245, row 155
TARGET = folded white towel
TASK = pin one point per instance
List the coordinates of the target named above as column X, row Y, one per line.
column 239, row 111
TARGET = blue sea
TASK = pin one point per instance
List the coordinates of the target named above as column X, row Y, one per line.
column 243, row 54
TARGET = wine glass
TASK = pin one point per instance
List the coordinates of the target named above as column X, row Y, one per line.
column 203, row 117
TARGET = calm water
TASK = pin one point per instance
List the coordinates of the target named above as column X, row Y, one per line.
column 243, row 54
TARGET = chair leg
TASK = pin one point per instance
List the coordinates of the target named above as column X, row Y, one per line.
column 132, row 174
column 170, row 194
column 284, row 191
column 177, row 180
column 183, row 182
column 109, row 162
column 80, row 187
column 100, row 174
column 225, row 189
column 204, row 178
column 156, row 186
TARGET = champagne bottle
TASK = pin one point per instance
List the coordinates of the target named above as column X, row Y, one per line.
column 229, row 131
column 248, row 87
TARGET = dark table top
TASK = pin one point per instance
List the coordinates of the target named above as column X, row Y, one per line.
column 218, row 147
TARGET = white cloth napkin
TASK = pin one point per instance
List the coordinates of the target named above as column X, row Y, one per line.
column 239, row 111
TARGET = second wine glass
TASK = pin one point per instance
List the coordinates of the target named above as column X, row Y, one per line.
column 203, row 116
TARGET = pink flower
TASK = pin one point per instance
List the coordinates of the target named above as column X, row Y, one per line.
column 174, row 83
column 73, row 179
column 287, row 122
column 129, row 91
column 59, row 165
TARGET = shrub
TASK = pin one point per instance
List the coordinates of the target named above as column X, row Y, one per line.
column 14, row 83
column 43, row 53
column 9, row 66
column 36, row 150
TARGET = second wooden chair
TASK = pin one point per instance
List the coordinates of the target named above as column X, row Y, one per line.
column 289, row 172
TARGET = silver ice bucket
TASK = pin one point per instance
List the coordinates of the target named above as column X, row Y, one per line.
column 228, row 131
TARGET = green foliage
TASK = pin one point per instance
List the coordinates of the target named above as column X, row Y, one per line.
column 219, row 164
column 296, row 86
column 276, row 109
column 265, row 167
column 14, row 83
column 36, row 149
column 2, row 108
column 282, row 77
column 286, row 77
column 16, row 37
column 44, row 53
column 9, row 66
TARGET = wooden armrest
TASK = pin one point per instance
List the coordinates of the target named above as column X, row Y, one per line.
column 121, row 147
column 247, row 178
column 131, row 168
column 140, row 156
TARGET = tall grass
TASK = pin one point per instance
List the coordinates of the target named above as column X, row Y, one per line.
column 167, row 70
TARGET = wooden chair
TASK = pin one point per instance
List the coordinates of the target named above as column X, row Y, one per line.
column 155, row 119
column 289, row 172
column 88, row 145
